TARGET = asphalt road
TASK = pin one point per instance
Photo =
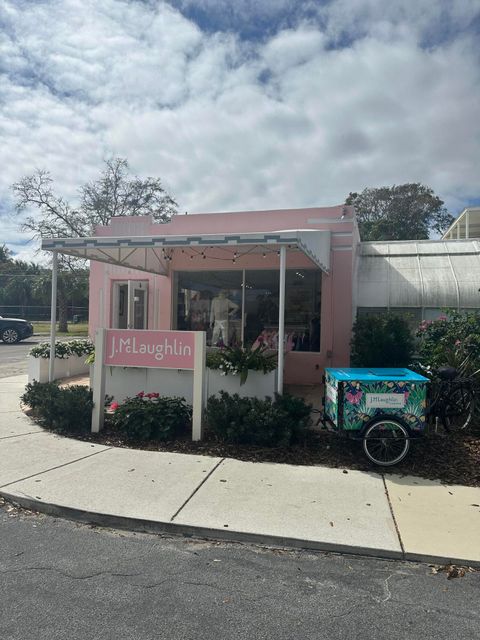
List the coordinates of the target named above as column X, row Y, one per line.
column 13, row 357
column 63, row 580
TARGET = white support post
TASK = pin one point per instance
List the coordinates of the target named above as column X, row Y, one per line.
column 198, row 384
column 130, row 294
column 242, row 338
column 98, row 411
column 53, row 318
column 281, row 319
column 467, row 225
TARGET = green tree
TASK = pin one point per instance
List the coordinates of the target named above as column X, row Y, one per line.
column 402, row 212
column 114, row 193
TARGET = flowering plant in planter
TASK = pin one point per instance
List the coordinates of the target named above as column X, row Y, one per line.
column 64, row 348
column 148, row 416
column 239, row 361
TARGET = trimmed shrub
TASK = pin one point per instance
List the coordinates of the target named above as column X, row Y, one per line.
column 150, row 417
column 382, row 341
column 65, row 409
column 277, row 423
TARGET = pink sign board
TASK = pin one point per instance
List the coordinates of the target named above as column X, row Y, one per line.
column 160, row 349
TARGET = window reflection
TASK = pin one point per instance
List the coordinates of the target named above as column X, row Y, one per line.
column 212, row 301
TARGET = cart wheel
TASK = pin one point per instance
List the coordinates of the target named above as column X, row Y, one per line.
column 386, row 441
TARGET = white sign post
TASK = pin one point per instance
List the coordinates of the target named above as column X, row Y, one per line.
column 176, row 350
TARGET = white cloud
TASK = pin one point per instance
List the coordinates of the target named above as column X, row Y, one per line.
column 229, row 124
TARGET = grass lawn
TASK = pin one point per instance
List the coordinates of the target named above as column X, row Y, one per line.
column 80, row 329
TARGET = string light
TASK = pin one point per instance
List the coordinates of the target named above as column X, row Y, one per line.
column 254, row 250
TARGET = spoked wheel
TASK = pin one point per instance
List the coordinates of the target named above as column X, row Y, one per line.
column 10, row 336
column 458, row 409
column 386, row 441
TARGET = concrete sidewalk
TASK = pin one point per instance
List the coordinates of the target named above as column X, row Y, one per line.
column 310, row 507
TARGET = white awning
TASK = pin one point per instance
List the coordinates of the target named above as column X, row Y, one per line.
column 151, row 253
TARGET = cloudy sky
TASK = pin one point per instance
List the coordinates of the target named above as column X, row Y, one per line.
column 242, row 104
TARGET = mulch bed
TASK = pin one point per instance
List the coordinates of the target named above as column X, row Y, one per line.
column 453, row 459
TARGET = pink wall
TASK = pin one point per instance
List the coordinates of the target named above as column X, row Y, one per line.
column 337, row 286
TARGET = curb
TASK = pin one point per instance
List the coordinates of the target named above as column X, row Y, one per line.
column 140, row 525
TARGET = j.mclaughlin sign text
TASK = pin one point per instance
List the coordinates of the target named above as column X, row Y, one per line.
column 164, row 349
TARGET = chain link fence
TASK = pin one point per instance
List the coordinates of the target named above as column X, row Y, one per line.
column 42, row 313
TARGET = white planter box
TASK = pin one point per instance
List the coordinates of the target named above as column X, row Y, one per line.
column 258, row 384
column 64, row 368
column 126, row 382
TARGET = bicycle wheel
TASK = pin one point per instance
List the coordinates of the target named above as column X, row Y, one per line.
column 458, row 409
column 386, row 441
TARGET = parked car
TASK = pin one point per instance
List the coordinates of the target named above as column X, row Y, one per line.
column 13, row 329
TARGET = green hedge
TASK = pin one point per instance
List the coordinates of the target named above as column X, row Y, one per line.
column 273, row 423
column 150, row 417
column 65, row 409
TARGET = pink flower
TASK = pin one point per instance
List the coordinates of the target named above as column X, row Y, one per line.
column 354, row 398
column 114, row 406
column 154, row 395
column 406, row 394
column 141, row 394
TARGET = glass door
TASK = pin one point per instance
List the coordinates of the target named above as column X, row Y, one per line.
column 129, row 304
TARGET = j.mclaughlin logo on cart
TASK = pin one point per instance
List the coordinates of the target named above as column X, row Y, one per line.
column 385, row 400
column 135, row 348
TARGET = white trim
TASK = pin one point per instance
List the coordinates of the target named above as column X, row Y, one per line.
column 330, row 220
column 98, row 411
column 198, row 385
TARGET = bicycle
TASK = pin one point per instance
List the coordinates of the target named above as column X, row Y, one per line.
column 452, row 399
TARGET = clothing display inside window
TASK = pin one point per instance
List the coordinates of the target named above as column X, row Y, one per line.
column 221, row 310
column 212, row 301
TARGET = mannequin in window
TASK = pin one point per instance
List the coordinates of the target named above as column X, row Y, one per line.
column 198, row 315
column 221, row 311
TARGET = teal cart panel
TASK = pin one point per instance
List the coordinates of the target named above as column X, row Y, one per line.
column 354, row 396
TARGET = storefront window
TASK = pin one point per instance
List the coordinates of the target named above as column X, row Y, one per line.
column 214, row 301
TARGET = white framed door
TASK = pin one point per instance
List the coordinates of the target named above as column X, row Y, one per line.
column 129, row 304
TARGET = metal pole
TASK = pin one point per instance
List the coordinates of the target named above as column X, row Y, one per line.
column 53, row 318
column 281, row 319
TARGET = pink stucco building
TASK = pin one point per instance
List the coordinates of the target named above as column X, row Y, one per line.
column 219, row 272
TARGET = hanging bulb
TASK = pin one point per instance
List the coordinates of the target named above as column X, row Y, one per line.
column 278, row 253
column 234, row 261
column 204, row 256
column 264, row 255
column 191, row 257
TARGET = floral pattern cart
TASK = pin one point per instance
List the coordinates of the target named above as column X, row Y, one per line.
column 386, row 408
